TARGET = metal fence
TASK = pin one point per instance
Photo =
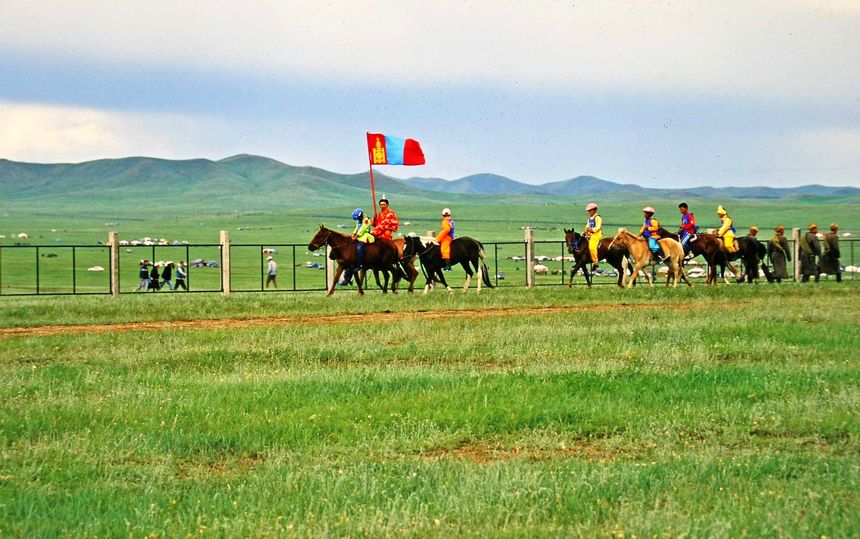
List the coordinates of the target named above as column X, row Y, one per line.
column 37, row 270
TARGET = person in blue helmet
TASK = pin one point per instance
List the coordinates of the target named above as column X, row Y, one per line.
column 362, row 236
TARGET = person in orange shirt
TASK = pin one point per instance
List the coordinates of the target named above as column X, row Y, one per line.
column 446, row 236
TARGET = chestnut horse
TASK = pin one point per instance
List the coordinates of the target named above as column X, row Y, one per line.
column 380, row 255
column 577, row 245
column 673, row 253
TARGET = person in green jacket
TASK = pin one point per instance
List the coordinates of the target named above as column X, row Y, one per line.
column 362, row 236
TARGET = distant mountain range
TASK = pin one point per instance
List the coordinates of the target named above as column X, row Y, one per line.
column 253, row 182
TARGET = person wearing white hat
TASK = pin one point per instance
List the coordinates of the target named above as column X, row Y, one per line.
column 650, row 231
column 446, row 236
column 271, row 272
column 593, row 231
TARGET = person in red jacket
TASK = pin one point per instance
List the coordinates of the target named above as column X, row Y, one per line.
column 385, row 223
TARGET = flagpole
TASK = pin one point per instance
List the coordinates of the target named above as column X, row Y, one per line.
column 373, row 189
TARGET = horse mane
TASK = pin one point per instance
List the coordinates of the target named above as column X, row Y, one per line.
column 341, row 234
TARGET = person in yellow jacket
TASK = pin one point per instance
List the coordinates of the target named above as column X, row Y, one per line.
column 727, row 230
column 446, row 236
column 593, row 231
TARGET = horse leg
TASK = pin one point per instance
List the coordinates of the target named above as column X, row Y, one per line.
column 468, row 269
column 382, row 287
column 359, row 279
column 634, row 276
column 337, row 275
column 480, row 274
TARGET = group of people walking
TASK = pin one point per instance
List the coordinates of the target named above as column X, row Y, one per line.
column 813, row 261
column 156, row 275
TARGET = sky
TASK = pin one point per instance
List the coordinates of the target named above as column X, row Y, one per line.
column 658, row 93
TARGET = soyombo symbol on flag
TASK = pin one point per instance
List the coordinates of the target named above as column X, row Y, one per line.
column 387, row 150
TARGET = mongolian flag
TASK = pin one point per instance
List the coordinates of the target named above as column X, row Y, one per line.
column 387, row 150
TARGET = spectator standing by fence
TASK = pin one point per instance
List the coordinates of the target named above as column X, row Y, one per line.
column 153, row 276
column 830, row 258
column 271, row 272
column 779, row 254
column 167, row 275
column 143, row 273
column 810, row 250
column 181, row 273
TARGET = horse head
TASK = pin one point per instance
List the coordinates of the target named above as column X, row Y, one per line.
column 572, row 239
column 411, row 246
column 621, row 238
column 319, row 239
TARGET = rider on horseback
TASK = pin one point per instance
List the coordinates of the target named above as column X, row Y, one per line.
column 362, row 236
column 445, row 237
column 727, row 230
column 385, row 223
column 688, row 226
column 594, row 232
column 650, row 230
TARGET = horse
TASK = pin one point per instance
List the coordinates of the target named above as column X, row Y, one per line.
column 577, row 245
column 638, row 248
column 466, row 251
column 407, row 266
column 713, row 250
column 380, row 255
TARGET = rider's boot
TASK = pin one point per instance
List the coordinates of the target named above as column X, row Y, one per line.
column 447, row 264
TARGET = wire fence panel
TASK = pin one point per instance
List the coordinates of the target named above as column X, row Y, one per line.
column 85, row 269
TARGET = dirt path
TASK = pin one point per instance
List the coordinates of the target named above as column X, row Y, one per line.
column 380, row 317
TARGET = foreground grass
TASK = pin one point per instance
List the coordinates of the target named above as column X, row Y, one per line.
column 735, row 417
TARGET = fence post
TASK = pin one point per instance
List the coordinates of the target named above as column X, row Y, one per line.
column 795, row 236
column 329, row 269
column 113, row 246
column 225, row 262
column 530, row 257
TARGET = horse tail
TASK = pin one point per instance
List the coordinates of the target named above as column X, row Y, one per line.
column 485, row 272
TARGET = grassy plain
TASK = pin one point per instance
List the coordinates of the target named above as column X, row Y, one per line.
column 496, row 220
column 723, row 412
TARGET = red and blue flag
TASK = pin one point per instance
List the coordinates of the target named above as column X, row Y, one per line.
column 387, row 150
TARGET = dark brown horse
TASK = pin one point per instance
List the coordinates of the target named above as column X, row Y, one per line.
column 380, row 255
column 466, row 251
column 577, row 245
column 713, row 250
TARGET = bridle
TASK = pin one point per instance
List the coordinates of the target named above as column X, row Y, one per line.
column 326, row 241
column 574, row 246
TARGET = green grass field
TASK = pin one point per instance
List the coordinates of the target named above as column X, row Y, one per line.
column 57, row 228
column 726, row 411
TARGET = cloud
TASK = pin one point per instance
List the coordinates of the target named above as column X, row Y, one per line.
column 42, row 133
column 755, row 47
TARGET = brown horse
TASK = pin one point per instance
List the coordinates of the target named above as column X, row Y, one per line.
column 577, row 245
column 638, row 248
column 380, row 255
column 407, row 265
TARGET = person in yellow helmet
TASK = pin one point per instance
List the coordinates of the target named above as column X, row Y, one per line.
column 727, row 230
column 593, row 231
